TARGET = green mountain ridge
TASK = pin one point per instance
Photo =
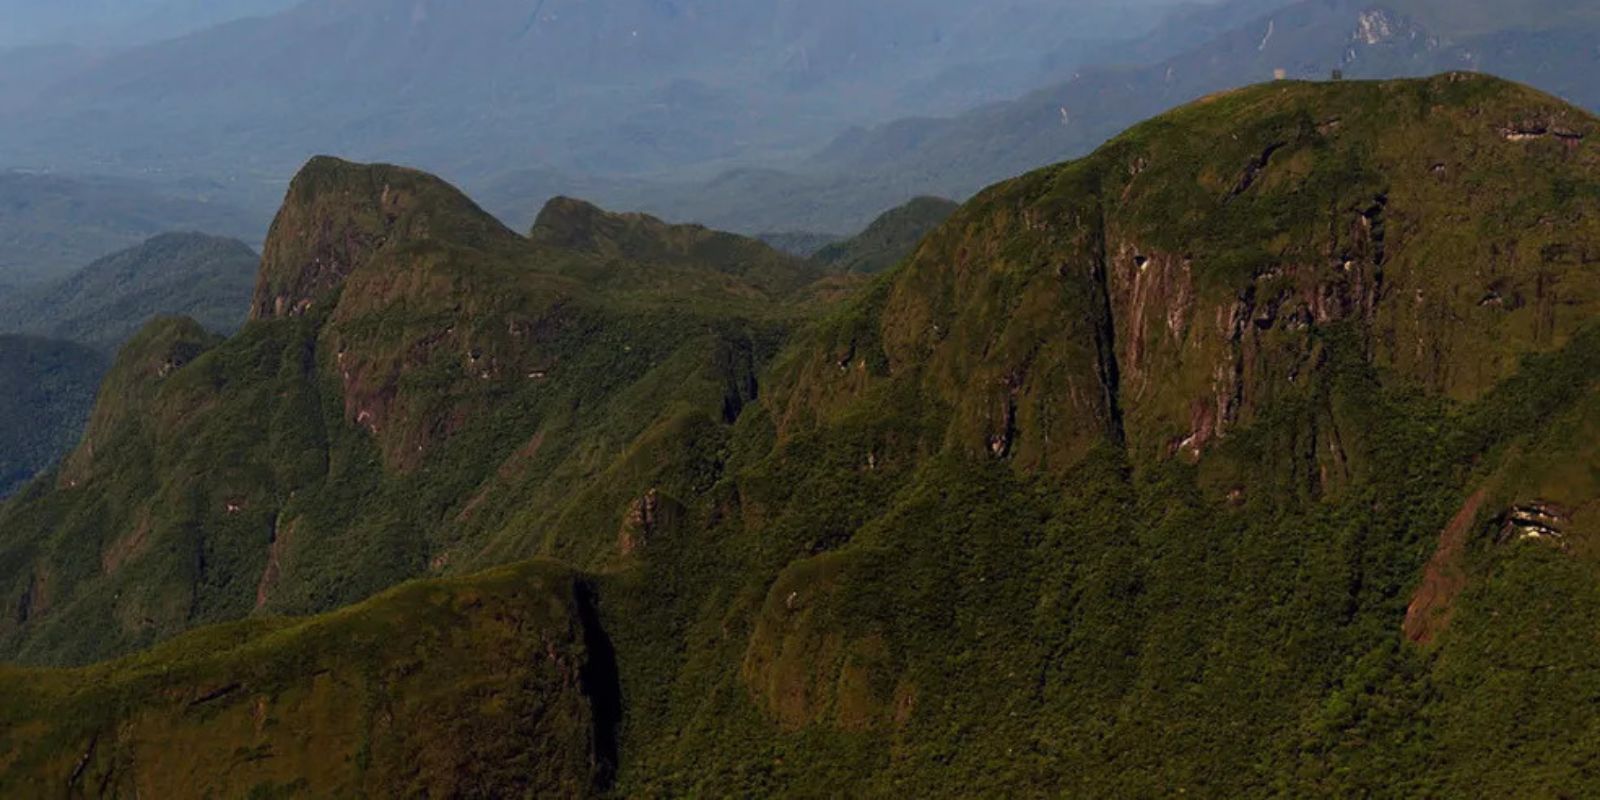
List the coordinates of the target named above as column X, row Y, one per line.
column 55, row 329
column 102, row 305
column 1249, row 456
column 398, row 334
column 890, row 238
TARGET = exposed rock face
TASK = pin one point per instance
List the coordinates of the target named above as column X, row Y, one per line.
column 1374, row 27
column 648, row 517
column 1535, row 521
column 1103, row 298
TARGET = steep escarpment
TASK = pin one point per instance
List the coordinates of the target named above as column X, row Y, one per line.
column 420, row 390
column 1124, row 484
column 1224, row 236
column 1249, row 456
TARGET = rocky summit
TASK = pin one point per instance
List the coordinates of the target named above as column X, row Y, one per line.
column 1252, row 455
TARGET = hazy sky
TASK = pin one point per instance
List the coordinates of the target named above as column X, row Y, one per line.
column 121, row 22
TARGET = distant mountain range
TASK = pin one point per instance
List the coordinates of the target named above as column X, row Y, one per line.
column 51, row 224
column 646, row 105
column 469, row 88
column 204, row 277
column 840, row 187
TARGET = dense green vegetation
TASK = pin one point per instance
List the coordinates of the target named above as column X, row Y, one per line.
column 46, row 390
column 51, row 378
column 478, row 687
column 889, row 239
column 1251, row 456
column 102, row 305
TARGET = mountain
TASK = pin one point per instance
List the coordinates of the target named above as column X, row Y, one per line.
column 398, row 333
column 52, row 378
column 204, row 277
column 53, row 224
column 46, row 391
column 890, row 238
column 1250, row 455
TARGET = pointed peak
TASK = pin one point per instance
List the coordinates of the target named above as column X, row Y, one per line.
column 337, row 213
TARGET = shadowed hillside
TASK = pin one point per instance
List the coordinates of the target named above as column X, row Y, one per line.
column 46, row 390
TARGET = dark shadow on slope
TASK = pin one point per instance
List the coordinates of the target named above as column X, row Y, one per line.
column 601, row 684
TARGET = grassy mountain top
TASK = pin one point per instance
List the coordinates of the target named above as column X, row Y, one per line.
column 890, row 238
column 1245, row 457
column 338, row 215
column 205, row 277
column 644, row 240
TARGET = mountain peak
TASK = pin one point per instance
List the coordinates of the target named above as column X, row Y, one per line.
column 580, row 226
column 337, row 214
